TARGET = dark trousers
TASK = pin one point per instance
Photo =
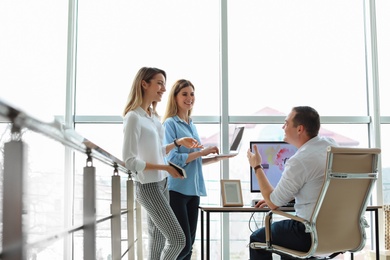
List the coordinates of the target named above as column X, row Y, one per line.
column 286, row 233
column 186, row 209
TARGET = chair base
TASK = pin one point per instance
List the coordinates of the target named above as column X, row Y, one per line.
column 323, row 257
column 289, row 253
column 287, row 257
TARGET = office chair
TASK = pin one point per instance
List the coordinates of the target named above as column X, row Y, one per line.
column 337, row 223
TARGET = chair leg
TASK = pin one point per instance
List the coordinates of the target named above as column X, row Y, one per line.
column 336, row 254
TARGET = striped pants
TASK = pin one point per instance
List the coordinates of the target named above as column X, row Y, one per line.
column 166, row 237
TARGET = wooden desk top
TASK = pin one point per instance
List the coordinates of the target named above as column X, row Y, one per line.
column 240, row 209
column 253, row 209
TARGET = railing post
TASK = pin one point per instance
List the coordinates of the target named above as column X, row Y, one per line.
column 14, row 172
column 139, row 230
column 130, row 219
column 116, row 216
column 89, row 211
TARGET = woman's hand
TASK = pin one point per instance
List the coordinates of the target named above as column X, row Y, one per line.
column 172, row 171
column 213, row 159
column 208, row 150
column 189, row 142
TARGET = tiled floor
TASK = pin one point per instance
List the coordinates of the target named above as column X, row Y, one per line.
column 365, row 254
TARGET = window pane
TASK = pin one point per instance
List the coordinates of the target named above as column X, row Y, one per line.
column 386, row 164
column 383, row 31
column 33, row 55
column 116, row 40
column 44, row 200
column 297, row 53
column 107, row 136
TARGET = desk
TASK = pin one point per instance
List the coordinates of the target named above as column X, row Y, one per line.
column 209, row 210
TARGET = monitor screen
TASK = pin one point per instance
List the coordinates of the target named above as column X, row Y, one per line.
column 275, row 155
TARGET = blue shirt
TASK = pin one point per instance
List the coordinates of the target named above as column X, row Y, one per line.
column 194, row 184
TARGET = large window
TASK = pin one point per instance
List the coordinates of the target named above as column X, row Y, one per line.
column 280, row 54
column 115, row 40
column 288, row 53
column 383, row 31
column 33, row 51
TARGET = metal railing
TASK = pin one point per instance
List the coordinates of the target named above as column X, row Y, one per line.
column 14, row 242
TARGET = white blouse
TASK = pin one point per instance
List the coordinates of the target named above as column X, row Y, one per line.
column 143, row 142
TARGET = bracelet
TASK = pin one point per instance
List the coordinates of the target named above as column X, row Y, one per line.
column 176, row 144
column 258, row 167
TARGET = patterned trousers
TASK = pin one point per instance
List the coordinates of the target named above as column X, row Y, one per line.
column 166, row 237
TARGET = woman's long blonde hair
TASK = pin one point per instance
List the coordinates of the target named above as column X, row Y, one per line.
column 171, row 109
column 135, row 97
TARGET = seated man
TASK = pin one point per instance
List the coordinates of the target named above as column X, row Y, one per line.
column 301, row 180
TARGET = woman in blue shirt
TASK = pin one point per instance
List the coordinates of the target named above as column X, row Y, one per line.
column 185, row 194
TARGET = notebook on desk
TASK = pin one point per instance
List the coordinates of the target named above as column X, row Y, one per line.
column 234, row 145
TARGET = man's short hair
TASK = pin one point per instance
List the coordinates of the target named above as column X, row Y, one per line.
column 309, row 118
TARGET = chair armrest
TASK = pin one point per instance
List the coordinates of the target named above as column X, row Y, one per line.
column 267, row 226
column 308, row 226
column 268, row 223
column 288, row 215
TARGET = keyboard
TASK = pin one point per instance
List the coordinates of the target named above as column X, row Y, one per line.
column 287, row 205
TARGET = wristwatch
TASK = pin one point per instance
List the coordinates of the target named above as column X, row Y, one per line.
column 176, row 144
column 258, row 167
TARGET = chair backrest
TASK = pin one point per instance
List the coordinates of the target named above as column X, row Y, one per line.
column 338, row 218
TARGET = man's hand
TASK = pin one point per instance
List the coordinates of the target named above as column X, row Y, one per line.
column 261, row 204
column 254, row 158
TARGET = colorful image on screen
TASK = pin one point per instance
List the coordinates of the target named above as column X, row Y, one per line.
column 275, row 154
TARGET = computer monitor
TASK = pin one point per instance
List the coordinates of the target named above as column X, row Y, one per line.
column 275, row 155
